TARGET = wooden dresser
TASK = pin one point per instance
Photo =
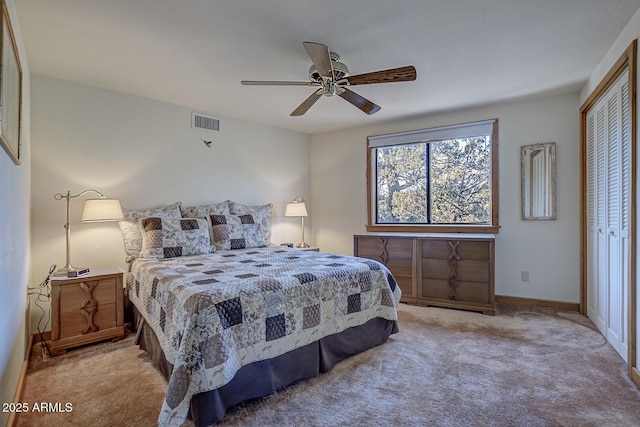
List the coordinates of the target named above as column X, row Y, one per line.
column 445, row 270
column 86, row 309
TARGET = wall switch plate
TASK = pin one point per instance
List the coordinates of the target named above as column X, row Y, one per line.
column 524, row 276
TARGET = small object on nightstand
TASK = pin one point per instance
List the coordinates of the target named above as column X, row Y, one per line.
column 86, row 309
column 78, row 273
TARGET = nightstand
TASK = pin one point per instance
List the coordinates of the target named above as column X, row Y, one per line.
column 86, row 309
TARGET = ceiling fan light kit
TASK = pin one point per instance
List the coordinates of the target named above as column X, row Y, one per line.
column 332, row 76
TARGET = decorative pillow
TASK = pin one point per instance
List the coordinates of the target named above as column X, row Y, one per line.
column 131, row 231
column 261, row 214
column 235, row 232
column 204, row 211
column 174, row 237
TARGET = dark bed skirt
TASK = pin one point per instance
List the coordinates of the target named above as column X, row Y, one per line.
column 265, row 377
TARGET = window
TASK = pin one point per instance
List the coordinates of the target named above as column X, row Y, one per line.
column 440, row 179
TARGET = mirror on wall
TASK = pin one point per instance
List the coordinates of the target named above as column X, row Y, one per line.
column 538, row 163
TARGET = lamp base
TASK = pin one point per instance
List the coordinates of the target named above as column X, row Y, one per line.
column 302, row 245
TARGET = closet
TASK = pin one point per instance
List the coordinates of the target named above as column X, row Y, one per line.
column 608, row 212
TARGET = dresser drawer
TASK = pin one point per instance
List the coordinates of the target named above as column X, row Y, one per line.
column 464, row 291
column 465, row 249
column 474, row 271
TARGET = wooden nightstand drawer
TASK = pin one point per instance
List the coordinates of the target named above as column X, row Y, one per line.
column 86, row 309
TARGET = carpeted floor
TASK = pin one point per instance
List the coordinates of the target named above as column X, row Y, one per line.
column 523, row 367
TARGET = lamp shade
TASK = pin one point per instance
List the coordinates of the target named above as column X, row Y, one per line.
column 298, row 209
column 101, row 210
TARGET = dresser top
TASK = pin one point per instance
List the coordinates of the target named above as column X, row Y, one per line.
column 432, row 235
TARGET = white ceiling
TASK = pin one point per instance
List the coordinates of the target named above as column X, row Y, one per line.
column 195, row 52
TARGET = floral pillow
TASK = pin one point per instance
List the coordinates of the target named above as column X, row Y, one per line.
column 203, row 211
column 235, row 232
column 174, row 237
column 131, row 231
column 261, row 214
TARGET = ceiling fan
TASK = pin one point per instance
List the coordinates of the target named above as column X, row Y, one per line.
column 332, row 77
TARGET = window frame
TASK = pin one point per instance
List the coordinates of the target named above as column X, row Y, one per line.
column 425, row 135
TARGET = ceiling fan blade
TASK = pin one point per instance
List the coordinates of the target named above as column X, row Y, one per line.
column 319, row 54
column 401, row 74
column 307, row 103
column 362, row 103
column 276, row 83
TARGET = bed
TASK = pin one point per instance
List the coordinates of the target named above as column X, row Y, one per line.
column 247, row 319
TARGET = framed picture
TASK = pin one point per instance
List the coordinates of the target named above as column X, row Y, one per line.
column 10, row 90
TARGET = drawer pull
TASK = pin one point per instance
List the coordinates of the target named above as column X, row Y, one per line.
column 89, row 306
column 384, row 256
column 454, row 262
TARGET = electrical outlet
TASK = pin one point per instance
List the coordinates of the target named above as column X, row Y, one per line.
column 524, row 276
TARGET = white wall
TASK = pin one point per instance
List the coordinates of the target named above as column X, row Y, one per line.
column 14, row 243
column 549, row 250
column 145, row 153
column 630, row 33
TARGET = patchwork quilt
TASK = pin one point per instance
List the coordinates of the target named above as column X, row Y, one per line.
column 217, row 312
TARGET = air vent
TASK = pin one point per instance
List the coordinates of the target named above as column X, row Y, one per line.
column 204, row 122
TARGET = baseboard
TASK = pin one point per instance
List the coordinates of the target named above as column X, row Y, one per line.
column 532, row 302
column 35, row 338
column 635, row 376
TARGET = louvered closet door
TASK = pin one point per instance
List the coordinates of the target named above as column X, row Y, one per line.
column 615, row 321
column 624, row 109
column 608, row 213
column 596, row 307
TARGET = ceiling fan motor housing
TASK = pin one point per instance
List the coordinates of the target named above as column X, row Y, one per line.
column 340, row 70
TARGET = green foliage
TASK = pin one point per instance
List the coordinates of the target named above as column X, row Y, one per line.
column 402, row 187
column 460, row 182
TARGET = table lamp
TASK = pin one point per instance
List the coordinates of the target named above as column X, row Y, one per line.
column 101, row 209
column 298, row 209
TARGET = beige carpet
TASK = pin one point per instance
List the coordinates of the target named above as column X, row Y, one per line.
column 523, row 367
